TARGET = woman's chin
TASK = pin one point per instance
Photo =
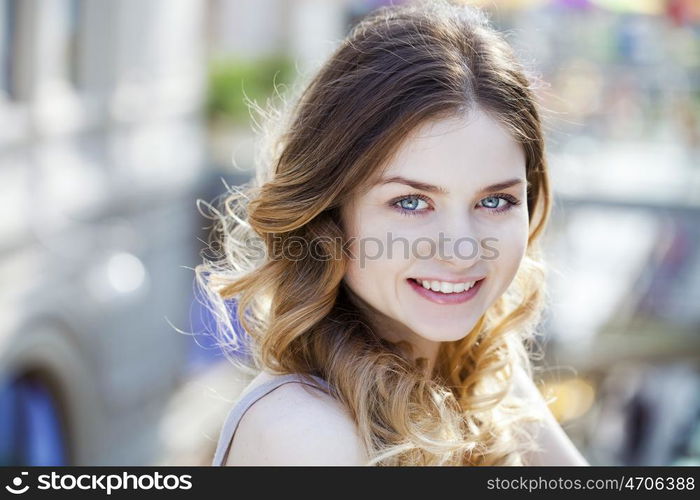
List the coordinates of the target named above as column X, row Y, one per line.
column 446, row 330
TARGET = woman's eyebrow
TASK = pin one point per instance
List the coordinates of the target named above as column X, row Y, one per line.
column 431, row 188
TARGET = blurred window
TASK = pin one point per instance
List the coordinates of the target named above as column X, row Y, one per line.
column 31, row 431
column 8, row 47
column 72, row 32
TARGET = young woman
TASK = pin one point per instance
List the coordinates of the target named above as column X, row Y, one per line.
column 384, row 263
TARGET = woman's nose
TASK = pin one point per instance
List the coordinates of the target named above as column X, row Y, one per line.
column 458, row 239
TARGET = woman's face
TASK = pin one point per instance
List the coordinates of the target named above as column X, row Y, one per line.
column 456, row 227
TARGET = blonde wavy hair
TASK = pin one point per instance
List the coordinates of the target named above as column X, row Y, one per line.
column 399, row 67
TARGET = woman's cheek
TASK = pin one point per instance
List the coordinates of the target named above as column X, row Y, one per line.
column 510, row 242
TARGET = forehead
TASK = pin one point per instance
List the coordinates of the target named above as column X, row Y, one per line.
column 458, row 151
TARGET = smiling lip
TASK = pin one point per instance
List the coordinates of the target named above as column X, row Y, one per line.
column 459, row 280
column 445, row 298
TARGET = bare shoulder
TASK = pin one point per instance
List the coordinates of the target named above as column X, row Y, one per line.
column 555, row 446
column 296, row 424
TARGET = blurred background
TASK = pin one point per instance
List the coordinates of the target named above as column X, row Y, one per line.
column 117, row 116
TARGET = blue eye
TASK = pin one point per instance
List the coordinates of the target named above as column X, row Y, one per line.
column 493, row 202
column 407, row 205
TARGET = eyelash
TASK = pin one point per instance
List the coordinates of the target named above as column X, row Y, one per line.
column 512, row 201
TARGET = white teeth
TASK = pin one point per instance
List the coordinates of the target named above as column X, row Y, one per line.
column 444, row 287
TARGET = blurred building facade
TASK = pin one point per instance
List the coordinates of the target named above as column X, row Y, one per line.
column 100, row 146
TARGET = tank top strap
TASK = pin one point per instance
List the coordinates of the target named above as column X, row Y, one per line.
column 246, row 401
